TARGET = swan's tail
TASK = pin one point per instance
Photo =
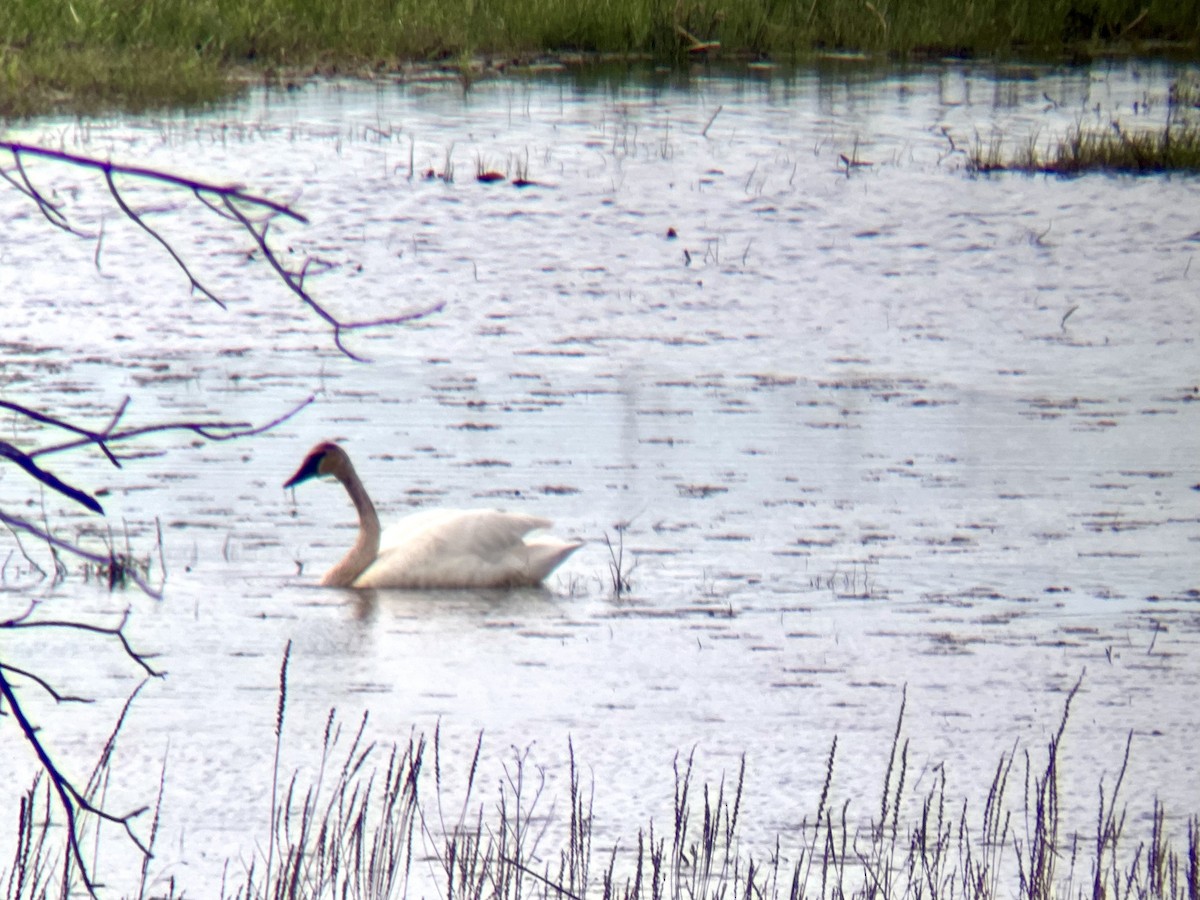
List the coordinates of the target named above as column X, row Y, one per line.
column 546, row 554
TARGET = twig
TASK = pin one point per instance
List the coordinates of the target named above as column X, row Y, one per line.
column 711, row 119
column 22, row 621
column 92, row 436
column 9, row 452
column 140, row 222
column 230, row 190
column 44, row 685
column 70, row 799
column 209, row 430
column 295, row 283
column 229, row 201
column 50, row 210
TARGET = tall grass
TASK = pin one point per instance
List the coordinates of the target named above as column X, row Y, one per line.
column 179, row 46
column 364, row 828
column 306, row 31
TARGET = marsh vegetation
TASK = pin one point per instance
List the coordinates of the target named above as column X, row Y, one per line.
column 379, row 820
column 960, row 461
column 1173, row 146
column 92, row 54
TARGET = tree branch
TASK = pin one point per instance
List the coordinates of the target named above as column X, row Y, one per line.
column 11, row 453
column 44, row 685
column 140, row 222
column 50, row 210
column 229, row 201
column 213, row 431
column 233, row 190
column 22, row 621
column 92, row 436
column 69, row 797
column 295, row 283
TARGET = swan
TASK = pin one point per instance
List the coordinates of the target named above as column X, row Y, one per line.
column 439, row 548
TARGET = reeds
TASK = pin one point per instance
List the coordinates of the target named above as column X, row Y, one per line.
column 944, row 853
column 370, row 832
column 1172, row 147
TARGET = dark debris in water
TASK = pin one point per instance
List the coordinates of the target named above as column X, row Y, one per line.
column 700, row 491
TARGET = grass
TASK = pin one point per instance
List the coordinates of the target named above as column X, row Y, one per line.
column 372, row 826
column 88, row 55
column 91, row 78
column 1172, row 147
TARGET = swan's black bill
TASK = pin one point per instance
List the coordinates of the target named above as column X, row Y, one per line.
column 310, row 468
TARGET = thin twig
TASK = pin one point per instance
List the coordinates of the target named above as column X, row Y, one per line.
column 22, row 621
column 70, row 799
column 140, row 222
column 209, row 430
column 229, row 190
column 230, row 201
column 295, row 283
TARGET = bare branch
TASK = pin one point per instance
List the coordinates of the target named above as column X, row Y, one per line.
column 69, row 798
column 213, row 431
column 23, row 621
column 92, row 436
column 229, row 201
column 48, row 209
column 9, row 452
column 87, row 162
column 295, row 283
column 141, row 223
column 44, row 685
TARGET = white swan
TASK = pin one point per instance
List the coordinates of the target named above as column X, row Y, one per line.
column 440, row 548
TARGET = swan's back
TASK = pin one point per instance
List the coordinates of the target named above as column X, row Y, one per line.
column 474, row 548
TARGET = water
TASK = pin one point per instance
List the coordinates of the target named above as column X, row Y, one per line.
column 863, row 429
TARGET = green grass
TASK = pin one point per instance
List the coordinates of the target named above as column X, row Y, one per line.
column 90, row 79
column 84, row 54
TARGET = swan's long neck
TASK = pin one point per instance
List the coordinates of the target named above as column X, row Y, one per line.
column 366, row 546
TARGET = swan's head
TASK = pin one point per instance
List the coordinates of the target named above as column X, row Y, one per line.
column 323, row 459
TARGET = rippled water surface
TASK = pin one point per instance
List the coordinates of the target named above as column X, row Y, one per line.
column 859, row 429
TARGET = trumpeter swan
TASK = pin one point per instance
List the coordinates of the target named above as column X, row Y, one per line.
column 440, row 548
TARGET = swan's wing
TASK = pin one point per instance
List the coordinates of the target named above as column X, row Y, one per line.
column 482, row 531
column 414, row 523
column 464, row 548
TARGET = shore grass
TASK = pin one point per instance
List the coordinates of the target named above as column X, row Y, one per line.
column 374, row 826
column 93, row 79
column 89, row 55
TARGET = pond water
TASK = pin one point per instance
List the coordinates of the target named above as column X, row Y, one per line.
column 861, row 432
